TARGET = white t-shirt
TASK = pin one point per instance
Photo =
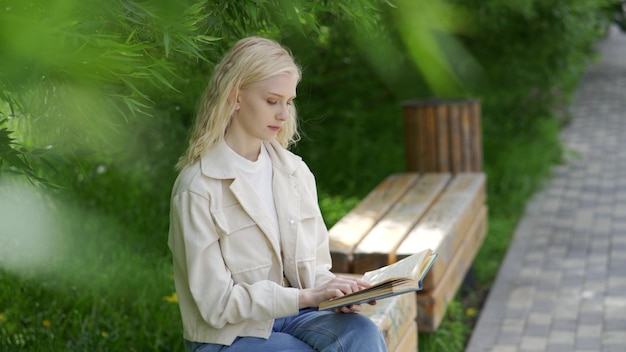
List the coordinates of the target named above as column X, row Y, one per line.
column 259, row 175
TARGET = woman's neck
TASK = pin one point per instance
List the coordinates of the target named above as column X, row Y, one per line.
column 247, row 149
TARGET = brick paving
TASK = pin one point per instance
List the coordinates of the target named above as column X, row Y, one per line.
column 562, row 284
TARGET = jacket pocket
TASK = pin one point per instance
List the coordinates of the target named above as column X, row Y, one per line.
column 246, row 251
column 311, row 230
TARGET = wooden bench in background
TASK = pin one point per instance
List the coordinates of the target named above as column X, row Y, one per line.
column 407, row 213
column 439, row 203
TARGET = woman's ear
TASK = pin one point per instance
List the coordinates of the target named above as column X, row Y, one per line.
column 233, row 97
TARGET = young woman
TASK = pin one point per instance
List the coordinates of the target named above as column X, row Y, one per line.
column 250, row 248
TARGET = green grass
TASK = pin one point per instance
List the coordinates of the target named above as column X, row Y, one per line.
column 96, row 289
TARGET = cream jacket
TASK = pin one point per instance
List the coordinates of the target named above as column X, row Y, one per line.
column 232, row 276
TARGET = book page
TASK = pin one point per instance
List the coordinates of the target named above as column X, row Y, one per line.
column 410, row 267
column 428, row 262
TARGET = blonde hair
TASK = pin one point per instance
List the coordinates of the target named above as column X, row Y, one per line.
column 250, row 60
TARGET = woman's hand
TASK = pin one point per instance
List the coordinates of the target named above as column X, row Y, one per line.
column 352, row 309
column 337, row 287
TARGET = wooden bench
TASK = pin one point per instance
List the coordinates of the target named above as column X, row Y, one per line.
column 439, row 203
column 408, row 212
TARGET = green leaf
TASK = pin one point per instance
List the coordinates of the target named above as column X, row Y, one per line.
column 5, row 139
column 162, row 79
column 166, row 43
column 207, row 39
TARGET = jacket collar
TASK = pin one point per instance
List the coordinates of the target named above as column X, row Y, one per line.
column 215, row 163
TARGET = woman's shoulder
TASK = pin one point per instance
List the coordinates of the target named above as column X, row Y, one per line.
column 190, row 179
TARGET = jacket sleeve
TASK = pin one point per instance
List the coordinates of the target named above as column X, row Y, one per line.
column 203, row 279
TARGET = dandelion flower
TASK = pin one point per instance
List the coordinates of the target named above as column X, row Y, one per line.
column 104, row 334
column 46, row 323
column 470, row 312
column 172, row 299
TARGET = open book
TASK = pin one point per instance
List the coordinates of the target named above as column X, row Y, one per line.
column 400, row 277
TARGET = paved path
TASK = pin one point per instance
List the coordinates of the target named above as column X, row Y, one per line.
column 562, row 284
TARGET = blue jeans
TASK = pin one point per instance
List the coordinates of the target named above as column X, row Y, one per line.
column 310, row 330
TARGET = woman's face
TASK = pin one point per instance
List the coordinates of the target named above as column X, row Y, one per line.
column 262, row 108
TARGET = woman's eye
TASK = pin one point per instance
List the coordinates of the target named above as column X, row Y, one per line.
column 272, row 102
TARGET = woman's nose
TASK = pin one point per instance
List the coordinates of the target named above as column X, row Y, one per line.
column 283, row 114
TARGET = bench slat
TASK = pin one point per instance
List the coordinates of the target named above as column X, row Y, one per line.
column 442, row 140
column 431, row 305
column 446, row 224
column 350, row 230
column 476, row 136
column 427, row 125
column 378, row 248
column 456, row 140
